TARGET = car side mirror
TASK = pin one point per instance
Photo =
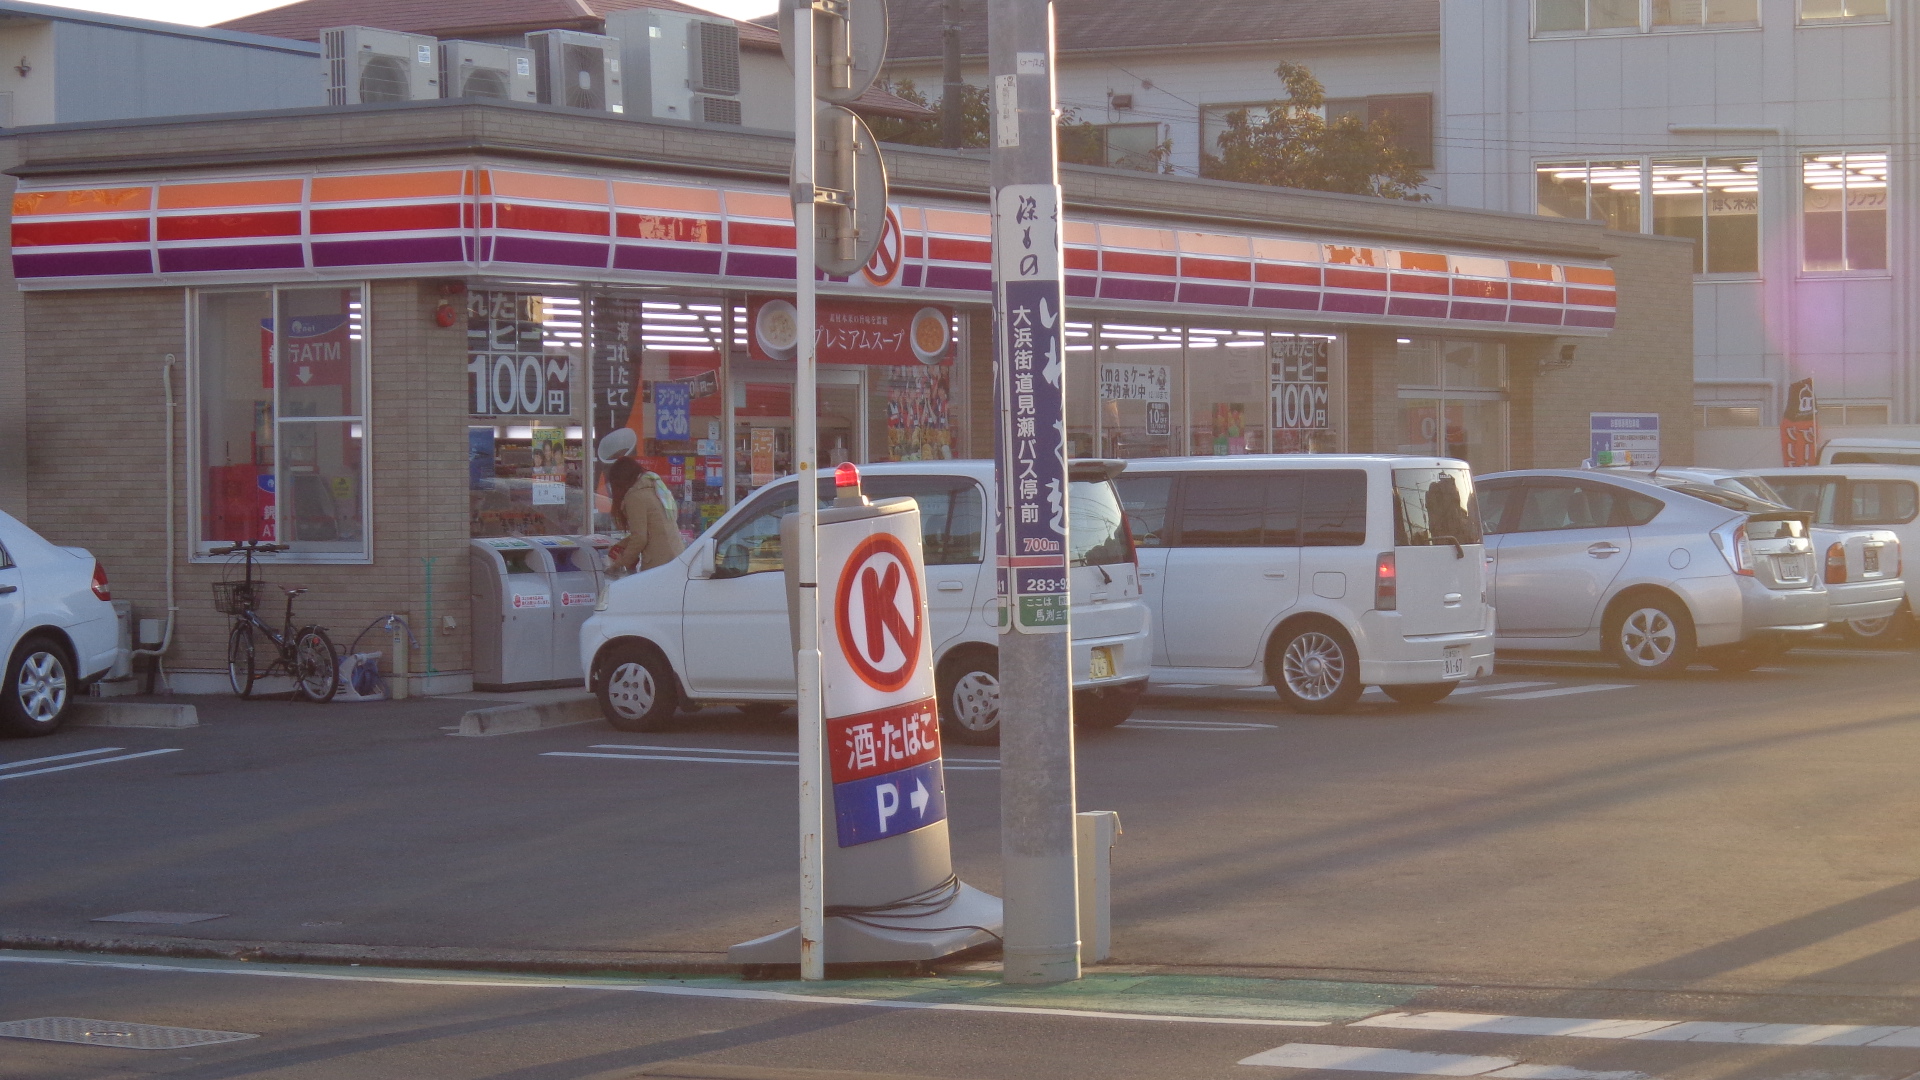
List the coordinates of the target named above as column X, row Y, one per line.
column 701, row 560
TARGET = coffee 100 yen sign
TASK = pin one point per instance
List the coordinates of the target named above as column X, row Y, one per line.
column 509, row 371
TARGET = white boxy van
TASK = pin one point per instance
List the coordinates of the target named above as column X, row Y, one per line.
column 1317, row 574
column 710, row 627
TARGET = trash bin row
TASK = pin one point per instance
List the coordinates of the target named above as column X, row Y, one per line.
column 530, row 595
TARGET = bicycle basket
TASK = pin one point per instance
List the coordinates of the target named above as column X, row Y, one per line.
column 235, row 597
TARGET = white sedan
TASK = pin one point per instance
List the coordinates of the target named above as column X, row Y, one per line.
column 57, row 628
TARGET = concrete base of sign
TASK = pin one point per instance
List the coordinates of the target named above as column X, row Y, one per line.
column 925, row 937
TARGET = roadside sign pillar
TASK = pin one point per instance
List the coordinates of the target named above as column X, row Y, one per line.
column 1036, row 687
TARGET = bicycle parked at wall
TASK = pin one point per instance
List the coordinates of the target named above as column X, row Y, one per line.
column 305, row 655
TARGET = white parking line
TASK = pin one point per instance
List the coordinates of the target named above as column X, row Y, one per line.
column 1488, row 688
column 1198, row 725
column 61, row 757
column 1419, row 1063
column 1563, row 691
column 704, row 755
column 1701, row 1031
column 84, row 764
column 1177, row 686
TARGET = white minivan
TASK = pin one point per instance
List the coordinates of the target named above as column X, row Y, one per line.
column 1319, row 574
column 710, row 627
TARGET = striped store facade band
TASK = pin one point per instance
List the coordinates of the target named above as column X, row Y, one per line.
column 480, row 218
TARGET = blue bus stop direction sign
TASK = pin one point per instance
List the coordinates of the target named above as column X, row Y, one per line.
column 890, row 804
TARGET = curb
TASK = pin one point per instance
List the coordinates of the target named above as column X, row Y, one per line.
column 133, row 714
column 530, row 961
column 513, row 719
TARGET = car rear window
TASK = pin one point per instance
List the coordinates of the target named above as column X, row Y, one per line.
column 1434, row 506
column 1882, row 502
column 1817, row 495
column 1719, row 496
column 1096, row 525
column 1145, row 498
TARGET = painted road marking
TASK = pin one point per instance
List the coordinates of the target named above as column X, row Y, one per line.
column 1255, row 689
column 1534, row 695
column 61, row 757
column 1701, row 1031
column 1419, row 1063
column 1198, row 725
column 1487, row 688
column 664, row 988
column 707, row 755
column 84, row 764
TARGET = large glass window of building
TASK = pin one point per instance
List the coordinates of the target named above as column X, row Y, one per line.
column 1844, row 211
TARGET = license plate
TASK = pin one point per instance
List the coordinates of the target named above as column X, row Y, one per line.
column 1453, row 662
column 1790, row 567
column 1870, row 559
column 1102, row 662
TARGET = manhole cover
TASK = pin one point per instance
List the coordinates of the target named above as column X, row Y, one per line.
column 73, row 1029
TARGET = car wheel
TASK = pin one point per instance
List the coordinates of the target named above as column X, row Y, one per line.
column 1886, row 630
column 1099, row 708
column 1315, row 668
column 39, row 688
column 1426, row 693
column 1652, row 637
column 969, row 688
column 636, row 689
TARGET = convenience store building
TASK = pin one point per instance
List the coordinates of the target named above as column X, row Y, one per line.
column 390, row 329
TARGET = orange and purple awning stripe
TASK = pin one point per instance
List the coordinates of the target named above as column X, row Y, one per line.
column 482, row 220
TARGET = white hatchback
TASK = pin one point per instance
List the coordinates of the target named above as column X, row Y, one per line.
column 57, row 628
column 711, row 626
column 1319, row 574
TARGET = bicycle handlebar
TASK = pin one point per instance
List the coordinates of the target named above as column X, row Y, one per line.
column 243, row 546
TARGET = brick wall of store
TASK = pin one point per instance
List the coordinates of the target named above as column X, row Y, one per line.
column 97, row 452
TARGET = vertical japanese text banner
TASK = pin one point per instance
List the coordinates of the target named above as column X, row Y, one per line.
column 1032, row 389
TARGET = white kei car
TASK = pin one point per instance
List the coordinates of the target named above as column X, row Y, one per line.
column 57, row 628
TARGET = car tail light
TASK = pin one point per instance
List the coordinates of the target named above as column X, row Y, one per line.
column 1836, row 564
column 1896, row 557
column 1732, row 541
column 100, row 582
column 1386, row 584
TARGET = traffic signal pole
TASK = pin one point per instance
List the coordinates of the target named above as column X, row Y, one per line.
column 813, row 912
column 1036, row 690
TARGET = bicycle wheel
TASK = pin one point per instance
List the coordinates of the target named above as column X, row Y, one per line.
column 315, row 672
column 240, row 663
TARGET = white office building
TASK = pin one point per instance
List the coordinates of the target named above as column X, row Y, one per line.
column 1779, row 134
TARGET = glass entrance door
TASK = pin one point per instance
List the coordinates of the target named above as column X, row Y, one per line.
column 763, row 423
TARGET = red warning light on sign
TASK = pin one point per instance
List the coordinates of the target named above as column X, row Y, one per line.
column 878, row 614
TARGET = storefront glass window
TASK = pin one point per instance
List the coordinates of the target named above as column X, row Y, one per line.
column 1453, row 401
column 658, row 396
column 279, row 382
column 527, row 468
column 1133, row 382
column 1227, row 392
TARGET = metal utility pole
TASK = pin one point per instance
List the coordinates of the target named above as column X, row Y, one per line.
column 1036, row 689
column 952, row 112
column 806, row 444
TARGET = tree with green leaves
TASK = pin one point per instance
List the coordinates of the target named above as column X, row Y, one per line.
column 1291, row 143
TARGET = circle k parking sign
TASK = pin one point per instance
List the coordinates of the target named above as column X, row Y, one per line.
column 878, row 613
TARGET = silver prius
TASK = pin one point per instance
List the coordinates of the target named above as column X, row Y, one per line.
column 1651, row 570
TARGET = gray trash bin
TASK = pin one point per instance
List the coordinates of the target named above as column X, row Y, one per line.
column 575, row 584
column 513, row 613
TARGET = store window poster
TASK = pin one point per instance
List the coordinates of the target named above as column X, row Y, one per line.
column 549, row 466
column 918, row 403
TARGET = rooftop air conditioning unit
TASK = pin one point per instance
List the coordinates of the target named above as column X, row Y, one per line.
column 680, row 66
column 476, row 69
column 367, row 65
column 580, row 71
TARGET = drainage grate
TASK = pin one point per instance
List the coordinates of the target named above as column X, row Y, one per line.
column 160, row 917
column 73, row 1029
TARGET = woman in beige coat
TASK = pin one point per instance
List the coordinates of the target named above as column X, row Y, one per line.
column 652, row 537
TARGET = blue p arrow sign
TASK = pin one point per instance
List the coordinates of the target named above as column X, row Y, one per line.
column 889, row 804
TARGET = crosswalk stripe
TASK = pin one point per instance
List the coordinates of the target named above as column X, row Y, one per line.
column 795, row 754
column 1590, row 688
column 1419, row 1063
column 670, row 757
column 1700, row 1031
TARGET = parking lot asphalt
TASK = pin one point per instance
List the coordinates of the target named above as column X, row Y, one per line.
column 1555, row 825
